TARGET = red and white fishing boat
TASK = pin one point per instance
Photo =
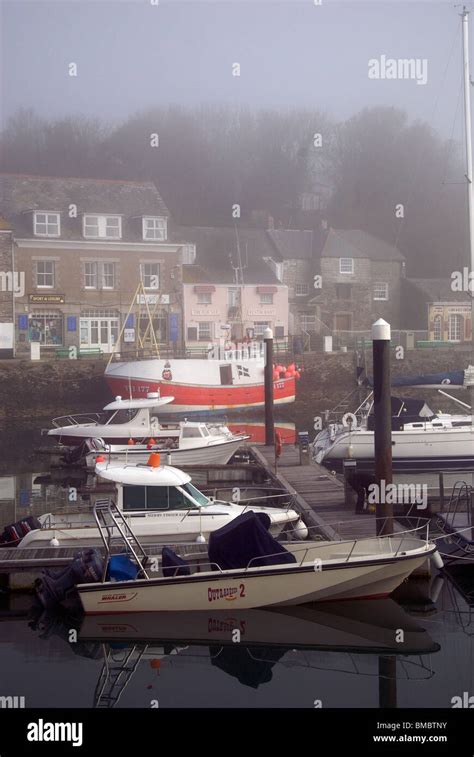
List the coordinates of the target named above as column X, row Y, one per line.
column 202, row 385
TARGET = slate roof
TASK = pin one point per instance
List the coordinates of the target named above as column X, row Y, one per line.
column 22, row 193
column 439, row 290
column 217, row 252
column 353, row 243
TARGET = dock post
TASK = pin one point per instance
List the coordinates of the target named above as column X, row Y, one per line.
column 382, row 424
column 269, row 420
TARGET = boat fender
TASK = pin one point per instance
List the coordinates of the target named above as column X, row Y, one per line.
column 278, row 444
column 54, row 542
column 349, row 420
column 301, row 530
column 437, row 560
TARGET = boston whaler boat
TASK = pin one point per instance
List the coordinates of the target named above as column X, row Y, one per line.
column 161, row 504
column 247, row 568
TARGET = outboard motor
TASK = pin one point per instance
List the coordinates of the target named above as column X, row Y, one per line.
column 53, row 587
column 12, row 535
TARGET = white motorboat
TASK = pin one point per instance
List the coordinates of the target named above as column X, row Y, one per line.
column 121, row 420
column 246, row 568
column 187, row 443
column 128, row 430
column 162, row 506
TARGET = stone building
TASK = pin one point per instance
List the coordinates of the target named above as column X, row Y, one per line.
column 82, row 247
column 431, row 305
column 360, row 282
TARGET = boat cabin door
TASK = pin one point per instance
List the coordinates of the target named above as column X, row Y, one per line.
column 226, row 374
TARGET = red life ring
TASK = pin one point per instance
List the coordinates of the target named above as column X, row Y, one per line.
column 278, row 444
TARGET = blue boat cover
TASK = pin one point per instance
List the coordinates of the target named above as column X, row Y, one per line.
column 446, row 378
column 122, row 568
column 172, row 564
column 243, row 539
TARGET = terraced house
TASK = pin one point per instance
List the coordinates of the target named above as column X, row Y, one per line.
column 82, row 247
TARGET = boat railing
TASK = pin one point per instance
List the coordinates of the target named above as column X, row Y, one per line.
column 395, row 541
column 461, row 500
column 75, row 420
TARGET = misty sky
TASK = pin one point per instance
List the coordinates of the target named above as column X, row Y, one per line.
column 133, row 55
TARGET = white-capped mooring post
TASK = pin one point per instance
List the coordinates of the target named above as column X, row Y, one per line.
column 268, row 388
column 382, row 423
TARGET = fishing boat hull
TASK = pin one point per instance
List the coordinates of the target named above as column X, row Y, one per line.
column 198, row 385
column 274, row 586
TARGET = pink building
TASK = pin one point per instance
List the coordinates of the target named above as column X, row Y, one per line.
column 231, row 292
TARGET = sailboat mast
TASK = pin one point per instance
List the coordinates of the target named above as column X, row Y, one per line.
column 468, row 136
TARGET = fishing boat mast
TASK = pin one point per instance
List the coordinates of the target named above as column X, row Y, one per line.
column 469, row 177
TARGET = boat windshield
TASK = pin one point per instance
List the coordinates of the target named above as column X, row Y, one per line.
column 198, row 496
column 111, row 417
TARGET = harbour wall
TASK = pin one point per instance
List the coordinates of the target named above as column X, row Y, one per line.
column 41, row 389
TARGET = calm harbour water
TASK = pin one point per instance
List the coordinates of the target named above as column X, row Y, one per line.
column 342, row 654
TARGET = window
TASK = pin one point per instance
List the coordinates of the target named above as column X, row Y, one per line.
column 204, row 298
column 192, row 334
column 455, row 327
column 45, row 274
column 279, row 332
column 46, row 327
column 108, row 276
column 233, row 297
column 189, row 254
column 380, row 290
column 343, row 291
column 301, row 290
column 46, row 224
column 99, row 328
column 260, row 327
column 159, row 322
column 346, row 265
column 155, row 498
column 150, row 275
column 90, row 275
column 266, row 299
column 308, row 322
column 191, row 432
column 102, row 227
column 204, row 331
column 155, row 228
column 437, row 330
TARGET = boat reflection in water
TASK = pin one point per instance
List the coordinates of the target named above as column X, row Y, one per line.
column 247, row 645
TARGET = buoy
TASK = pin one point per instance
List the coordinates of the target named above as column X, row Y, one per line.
column 54, row 542
column 276, row 375
column 200, row 539
column 154, row 460
column 151, row 443
column 100, row 459
column 287, row 374
column 130, row 442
